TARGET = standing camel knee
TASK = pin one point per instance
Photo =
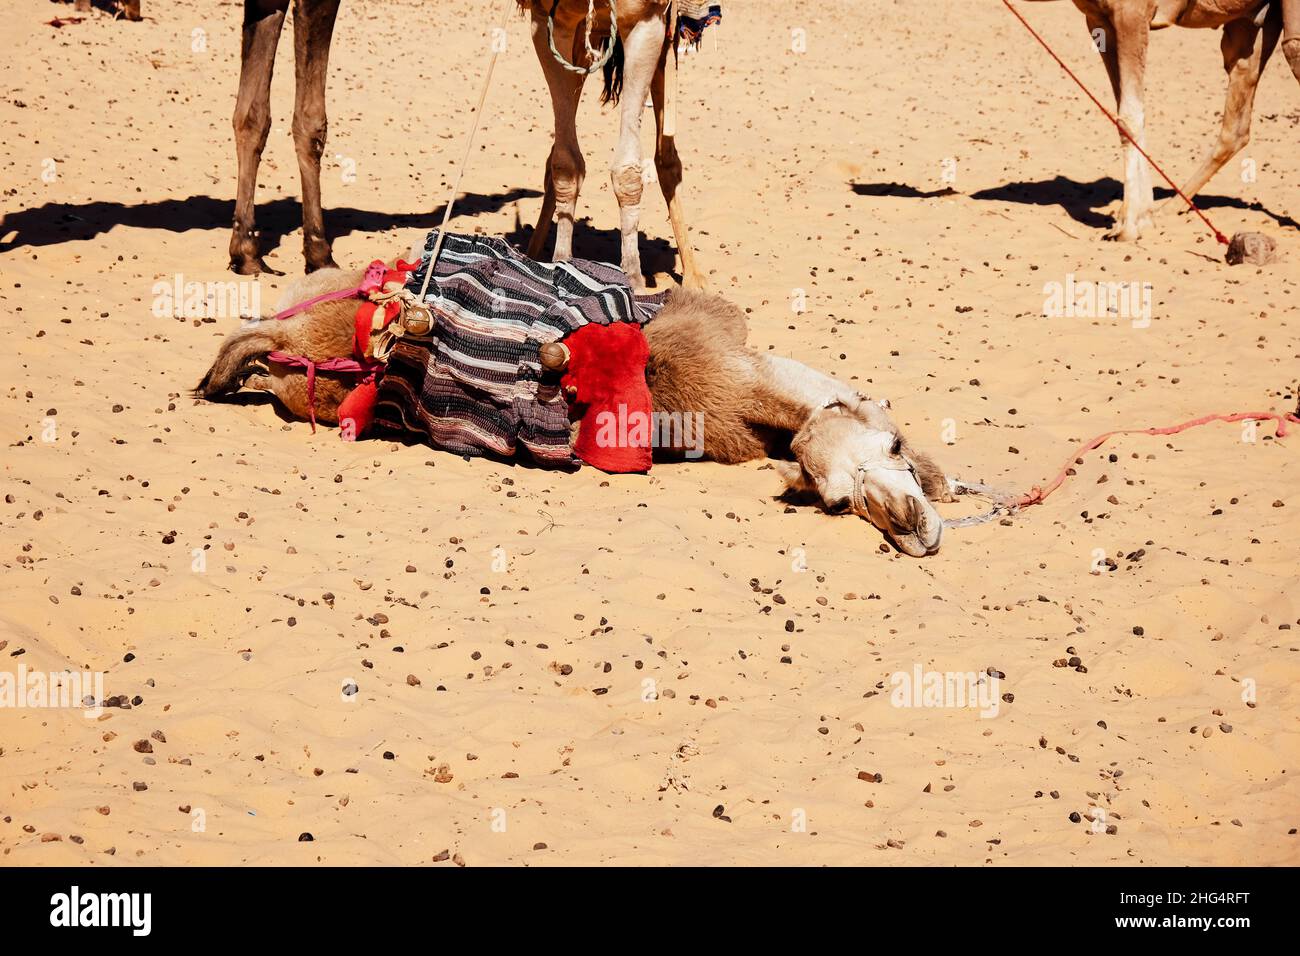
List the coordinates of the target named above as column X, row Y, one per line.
column 1291, row 34
column 628, row 183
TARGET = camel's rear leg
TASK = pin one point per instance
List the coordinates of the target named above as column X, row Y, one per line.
column 565, row 167
column 1291, row 34
column 668, row 165
column 263, row 20
column 1244, row 59
column 313, row 26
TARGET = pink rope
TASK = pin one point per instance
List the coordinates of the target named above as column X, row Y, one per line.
column 1037, row 495
column 327, row 297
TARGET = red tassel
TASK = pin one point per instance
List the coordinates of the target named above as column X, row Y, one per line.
column 357, row 411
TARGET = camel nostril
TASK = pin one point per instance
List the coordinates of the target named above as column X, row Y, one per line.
column 915, row 514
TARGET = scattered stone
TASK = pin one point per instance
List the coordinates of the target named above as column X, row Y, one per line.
column 1253, row 247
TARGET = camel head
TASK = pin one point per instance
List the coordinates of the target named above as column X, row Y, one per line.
column 852, row 457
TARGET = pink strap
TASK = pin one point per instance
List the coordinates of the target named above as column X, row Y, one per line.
column 344, row 365
column 374, row 279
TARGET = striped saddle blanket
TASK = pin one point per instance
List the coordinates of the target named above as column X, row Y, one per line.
column 694, row 15
column 475, row 385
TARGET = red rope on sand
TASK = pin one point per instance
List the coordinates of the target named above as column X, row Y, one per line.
column 1118, row 125
column 1037, row 495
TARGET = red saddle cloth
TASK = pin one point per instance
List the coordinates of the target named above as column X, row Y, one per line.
column 606, row 382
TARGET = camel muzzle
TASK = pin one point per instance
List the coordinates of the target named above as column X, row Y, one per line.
column 904, row 515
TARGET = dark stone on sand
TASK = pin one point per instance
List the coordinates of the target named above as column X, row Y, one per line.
column 1253, row 247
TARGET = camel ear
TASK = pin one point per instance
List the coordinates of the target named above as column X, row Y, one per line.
column 794, row 476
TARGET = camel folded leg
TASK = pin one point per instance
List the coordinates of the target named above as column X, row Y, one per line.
column 1244, row 60
column 565, row 167
column 263, row 21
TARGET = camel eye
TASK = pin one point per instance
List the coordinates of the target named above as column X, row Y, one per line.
column 897, row 447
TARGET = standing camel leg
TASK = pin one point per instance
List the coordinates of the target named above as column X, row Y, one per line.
column 263, row 20
column 1244, row 60
column 131, row 9
column 1125, row 56
column 1291, row 34
column 669, row 168
column 313, row 26
column 643, row 44
column 565, row 167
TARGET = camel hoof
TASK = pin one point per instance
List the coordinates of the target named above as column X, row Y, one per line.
column 695, row 281
column 1127, row 232
column 252, row 266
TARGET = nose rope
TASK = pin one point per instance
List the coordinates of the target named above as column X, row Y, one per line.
column 1004, row 503
column 859, row 498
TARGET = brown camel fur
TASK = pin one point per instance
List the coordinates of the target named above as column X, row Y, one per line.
column 830, row 442
column 1121, row 29
column 644, row 58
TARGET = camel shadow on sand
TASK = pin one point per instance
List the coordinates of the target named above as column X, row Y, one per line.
column 606, row 245
column 1082, row 202
column 54, row 223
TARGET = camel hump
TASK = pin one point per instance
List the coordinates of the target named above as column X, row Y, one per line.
column 712, row 316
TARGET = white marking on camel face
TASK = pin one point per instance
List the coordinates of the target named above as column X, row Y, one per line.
column 853, row 465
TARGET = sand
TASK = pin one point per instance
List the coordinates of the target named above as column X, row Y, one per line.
column 680, row 668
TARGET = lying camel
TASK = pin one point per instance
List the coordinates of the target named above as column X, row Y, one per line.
column 1250, row 33
column 644, row 54
column 831, row 443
